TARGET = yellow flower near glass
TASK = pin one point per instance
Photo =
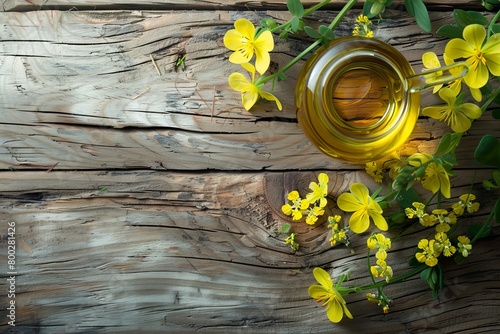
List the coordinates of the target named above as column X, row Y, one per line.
column 364, row 209
column 481, row 57
column 456, row 114
column 436, row 177
column 243, row 41
column 329, row 295
column 250, row 91
column 246, row 42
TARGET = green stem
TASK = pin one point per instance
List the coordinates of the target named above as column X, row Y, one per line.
column 341, row 14
column 490, row 100
column 396, row 279
column 332, row 26
column 306, row 12
column 478, row 234
column 490, row 27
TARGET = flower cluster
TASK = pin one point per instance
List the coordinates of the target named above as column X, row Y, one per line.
column 429, row 250
column 471, row 57
column 379, row 242
column 339, row 234
column 312, row 206
column 363, row 27
column 480, row 54
column 246, row 41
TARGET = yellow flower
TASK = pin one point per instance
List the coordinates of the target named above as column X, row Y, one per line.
column 362, row 27
column 245, row 44
column 378, row 241
column 480, row 57
column 464, row 246
column 457, row 116
column 290, row 240
column 297, row 207
column 313, row 214
column 429, row 253
column 319, row 190
column 436, row 178
column 466, row 203
column 328, row 293
column 364, row 208
column 444, row 244
column 419, row 212
column 444, row 219
column 250, row 91
column 375, row 170
column 431, row 61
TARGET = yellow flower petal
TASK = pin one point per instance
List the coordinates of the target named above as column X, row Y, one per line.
column 359, row 221
column 474, row 34
column 435, row 112
column 379, row 221
column 265, row 41
column 478, row 74
column 233, row 40
column 249, row 98
column 491, row 51
column 323, row 278
column 458, row 48
column 448, row 96
column 262, row 60
column 348, row 202
column 430, row 60
column 317, row 292
column 238, row 82
column 271, row 97
column 245, row 28
column 360, row 191
column 334, row 311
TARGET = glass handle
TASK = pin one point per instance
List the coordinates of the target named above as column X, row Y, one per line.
column 437, row 76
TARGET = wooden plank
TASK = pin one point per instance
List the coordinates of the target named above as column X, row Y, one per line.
column 184, row 252
column 80, row 91
column 30, row 5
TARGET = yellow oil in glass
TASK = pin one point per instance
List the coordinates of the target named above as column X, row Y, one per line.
column 353, row 100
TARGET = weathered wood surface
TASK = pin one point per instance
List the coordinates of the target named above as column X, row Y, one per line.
column 27, row 5
column 120, row 226
column 80, row 90
column 163, row 252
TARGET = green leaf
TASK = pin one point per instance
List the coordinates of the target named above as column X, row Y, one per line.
column 406, row 197
column 464, row 18
column 448, row 143
column 496, row 113
column 450, row 31
column 417, row 9
column 367, row 7
column 495, row 28
column 294, row 23
column 409, row 7
column 477, row 18
column 285, row 228
column 488, row 151
column 477, row 231
column 426, row 273
column 311, row 32
column 422, row 16
column 295, row 7
column 496, row 211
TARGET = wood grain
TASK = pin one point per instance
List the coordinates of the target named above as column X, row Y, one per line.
column 30, row 5
column 147, row 200
column 184, row 252
column 81, row 92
